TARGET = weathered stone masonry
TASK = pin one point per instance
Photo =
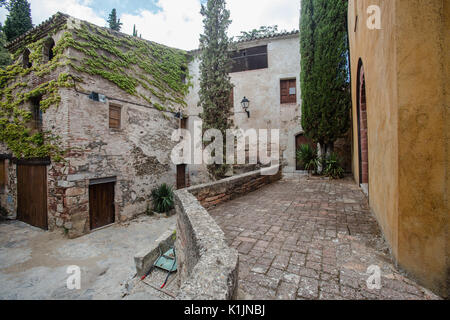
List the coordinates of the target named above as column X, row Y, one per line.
column 136, row 156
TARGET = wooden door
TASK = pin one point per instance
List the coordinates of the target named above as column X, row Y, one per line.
column 32, row 195
column 101, row 205
column 181, row 176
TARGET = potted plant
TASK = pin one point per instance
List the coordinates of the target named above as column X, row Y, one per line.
column 163, row 201
column 308, row 157
column 332, row 167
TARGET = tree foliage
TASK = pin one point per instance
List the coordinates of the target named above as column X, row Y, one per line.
column 114, row 23
column 5, row 57
column 215, row 84
column 18, row 20
column 324, row 77
column 263, row 31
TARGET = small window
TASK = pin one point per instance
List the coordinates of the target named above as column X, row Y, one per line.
column 114, row 116
column 48, row 50
column 288, row 91
column 26, row 59
column 183, row 123
column 232, row 97
column 36, row 112
column 183, row 74
column 2, row 173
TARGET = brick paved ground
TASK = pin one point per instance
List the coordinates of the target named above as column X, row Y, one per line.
column 304, row 238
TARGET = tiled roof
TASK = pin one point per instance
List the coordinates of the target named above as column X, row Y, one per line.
column 276, row 35
column 38, row 31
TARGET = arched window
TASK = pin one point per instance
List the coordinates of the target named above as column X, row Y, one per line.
column 48, row 49
column 26, row 59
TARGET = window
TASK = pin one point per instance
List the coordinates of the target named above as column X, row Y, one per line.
column 2, row 173
column 36, row 112
column 48, row 49
column 232, row 97
column 183, row 123
column 26, row 59
column 250, row 59
column 183, row 74
column 288, row 91
column 114, row 116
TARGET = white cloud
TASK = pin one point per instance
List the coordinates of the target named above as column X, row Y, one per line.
column 41, row 10
column 179, row 23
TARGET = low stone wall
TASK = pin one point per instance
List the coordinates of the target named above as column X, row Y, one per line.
column 207, row 267
column 211, row 194
column 145, row 259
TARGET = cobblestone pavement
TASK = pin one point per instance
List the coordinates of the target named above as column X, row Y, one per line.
column 308, row 238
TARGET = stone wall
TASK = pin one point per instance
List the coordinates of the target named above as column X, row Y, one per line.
column 207, row 267
column 211, row 194
column 137, row 154
column 262, row 88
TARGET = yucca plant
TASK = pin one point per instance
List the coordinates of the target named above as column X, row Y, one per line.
column 163, row 198
column 332, row 167
column 308, row 157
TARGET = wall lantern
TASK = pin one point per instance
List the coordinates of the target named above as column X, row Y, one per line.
column 245, row 105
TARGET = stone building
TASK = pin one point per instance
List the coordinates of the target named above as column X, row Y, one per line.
column 110, row 101
column 266, row 72
column 400, row 83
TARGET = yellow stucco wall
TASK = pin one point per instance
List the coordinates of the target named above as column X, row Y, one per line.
column 406, row 83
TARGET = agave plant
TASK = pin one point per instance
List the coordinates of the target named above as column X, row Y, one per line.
column 332, row 167
column 308, row 156
column 163, row 198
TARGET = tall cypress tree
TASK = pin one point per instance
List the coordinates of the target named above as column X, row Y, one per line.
column 113, row 22
column 5, row 57
column 324, row 77
column 18, row 20
column 215, row 84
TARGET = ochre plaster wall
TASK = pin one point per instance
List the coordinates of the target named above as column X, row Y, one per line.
column 406, row 72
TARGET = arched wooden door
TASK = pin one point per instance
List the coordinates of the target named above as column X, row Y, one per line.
column 299, row 140
column 362, row 128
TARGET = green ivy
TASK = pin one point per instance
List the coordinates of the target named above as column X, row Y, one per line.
column 141, row 68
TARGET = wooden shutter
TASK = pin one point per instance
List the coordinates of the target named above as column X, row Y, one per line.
column 288, row 91
column 183, row 123
column 114, row 117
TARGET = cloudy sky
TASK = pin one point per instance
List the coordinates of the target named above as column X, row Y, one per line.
column 176, row 23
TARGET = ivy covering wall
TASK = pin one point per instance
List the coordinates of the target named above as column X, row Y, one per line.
column 141, row 68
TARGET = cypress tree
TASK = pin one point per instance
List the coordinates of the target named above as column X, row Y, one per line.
column 114, row 23
column 324, row 71
column 18, row 20
column 215, row 84
column 5, row 57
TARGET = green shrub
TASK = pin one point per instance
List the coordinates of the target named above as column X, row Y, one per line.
column 163, row 198
column 332, row 167
column 308, row 157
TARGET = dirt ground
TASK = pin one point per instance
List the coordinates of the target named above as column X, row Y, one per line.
column 33, row 263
